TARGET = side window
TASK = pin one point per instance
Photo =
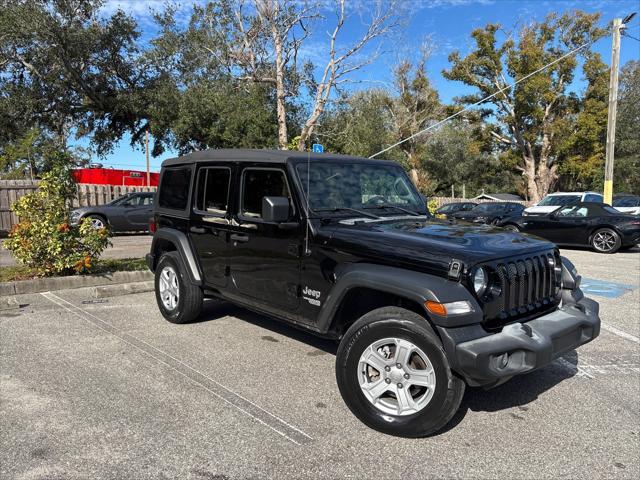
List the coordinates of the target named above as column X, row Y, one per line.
column 591, row 197
column 132, row 201
column 574, row 211
column 174, row 190
column 147, row 200
column 257, row 184
column 213, row 190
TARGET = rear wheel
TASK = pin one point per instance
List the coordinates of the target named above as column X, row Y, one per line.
column 393, row 374
column 178, row 299
column 511, row 227
column 606, row 240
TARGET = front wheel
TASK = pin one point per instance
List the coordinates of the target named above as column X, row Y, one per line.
column 606, row 240
column 394, row 376
column 178, row 299
column 511, row 227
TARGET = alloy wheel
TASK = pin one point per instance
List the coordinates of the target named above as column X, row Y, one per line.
column 604, row 241
column 169, row 288
column 396, row 376
column 97, row 223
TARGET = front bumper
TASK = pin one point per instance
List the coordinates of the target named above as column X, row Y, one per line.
column 488, row 359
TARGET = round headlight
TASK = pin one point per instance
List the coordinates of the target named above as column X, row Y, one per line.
column 480, row 280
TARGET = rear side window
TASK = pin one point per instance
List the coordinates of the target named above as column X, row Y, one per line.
column 174, row 190
column 213, row 190
column 257, row 184
column 593, row 197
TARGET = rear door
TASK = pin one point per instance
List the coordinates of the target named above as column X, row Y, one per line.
column 210, row 221
column 265, row 259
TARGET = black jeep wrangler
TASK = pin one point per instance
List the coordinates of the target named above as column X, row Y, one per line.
column 344, row 247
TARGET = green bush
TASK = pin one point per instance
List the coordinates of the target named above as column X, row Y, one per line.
column 45, row 240
column 432, row 205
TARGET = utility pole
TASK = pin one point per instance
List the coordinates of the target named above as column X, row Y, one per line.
column 146, row 143
column 618, row 25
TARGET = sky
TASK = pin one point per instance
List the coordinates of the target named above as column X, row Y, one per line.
column 443, row 25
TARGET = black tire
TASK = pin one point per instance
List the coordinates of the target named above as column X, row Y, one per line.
column 511, row 227
column 190, row 298
column 606, row 240
column 404, row 324
column 98, row 221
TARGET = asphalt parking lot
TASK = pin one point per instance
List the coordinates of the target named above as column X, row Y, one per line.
column 111, row 390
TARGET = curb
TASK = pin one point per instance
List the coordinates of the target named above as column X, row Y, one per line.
column 63, row 283
column 122, row 289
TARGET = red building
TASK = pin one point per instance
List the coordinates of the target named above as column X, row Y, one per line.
column 108, row 176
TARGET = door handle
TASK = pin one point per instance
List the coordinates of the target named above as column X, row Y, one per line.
column 197, row 230
column 239, row 238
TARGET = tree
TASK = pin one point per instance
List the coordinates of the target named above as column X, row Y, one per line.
column 529, row 116
column 416, row 106
column 583, row 142
column 358, row 124
column 627, row 152
column 73, row 71
column 260, row 43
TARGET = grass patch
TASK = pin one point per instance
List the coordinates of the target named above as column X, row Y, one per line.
column 107, row 265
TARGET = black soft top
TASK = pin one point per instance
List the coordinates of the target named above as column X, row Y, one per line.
column 262, row 156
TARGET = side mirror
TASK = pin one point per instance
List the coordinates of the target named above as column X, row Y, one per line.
column 275, row 209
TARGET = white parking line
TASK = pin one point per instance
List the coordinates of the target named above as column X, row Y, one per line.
column 271, row 421
column 620, row 333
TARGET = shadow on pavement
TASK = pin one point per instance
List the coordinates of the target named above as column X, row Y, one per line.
column 517, row 392
column 213, row 310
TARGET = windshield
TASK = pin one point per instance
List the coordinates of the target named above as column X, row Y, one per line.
column 627, row 202
column 335, row 185
column 558, row 200
column 487, row 207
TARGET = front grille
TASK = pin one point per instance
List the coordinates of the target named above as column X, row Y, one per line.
column 526, row 285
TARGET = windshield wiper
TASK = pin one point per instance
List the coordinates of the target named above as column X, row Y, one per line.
column 405, row 210
column 346, row 209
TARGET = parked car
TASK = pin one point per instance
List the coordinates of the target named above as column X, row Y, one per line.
column 129, row 213
column 627, row 204
column 343, row 247
column 561, row 199
column 449, row 209
column 490, row 212
column 597, row 225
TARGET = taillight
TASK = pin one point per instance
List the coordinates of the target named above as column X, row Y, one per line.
column 152, row 225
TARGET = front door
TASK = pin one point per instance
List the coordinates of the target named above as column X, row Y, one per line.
column 265, row 258
column 210, row 223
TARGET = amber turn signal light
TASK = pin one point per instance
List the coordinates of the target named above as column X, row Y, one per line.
column 436, row 308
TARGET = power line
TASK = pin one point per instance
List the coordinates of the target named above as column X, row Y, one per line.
column 469, row 107
column 630, row 36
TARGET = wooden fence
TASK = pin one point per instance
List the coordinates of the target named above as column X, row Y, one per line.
column 12, row 190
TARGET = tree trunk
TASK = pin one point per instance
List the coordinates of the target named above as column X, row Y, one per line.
column 281, row 95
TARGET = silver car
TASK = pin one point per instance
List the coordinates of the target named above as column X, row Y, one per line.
column 130, row 213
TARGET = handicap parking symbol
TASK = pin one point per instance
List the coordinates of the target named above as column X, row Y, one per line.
column 317, row 148
column 605, row 289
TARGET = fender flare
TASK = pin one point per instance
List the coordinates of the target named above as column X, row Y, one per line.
column 183, row 247
column 415, row 286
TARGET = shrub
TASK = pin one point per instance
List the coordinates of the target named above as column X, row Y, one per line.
column 432, row 205
column 45, row 240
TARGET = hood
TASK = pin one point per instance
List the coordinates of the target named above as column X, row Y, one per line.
column 432, row 243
